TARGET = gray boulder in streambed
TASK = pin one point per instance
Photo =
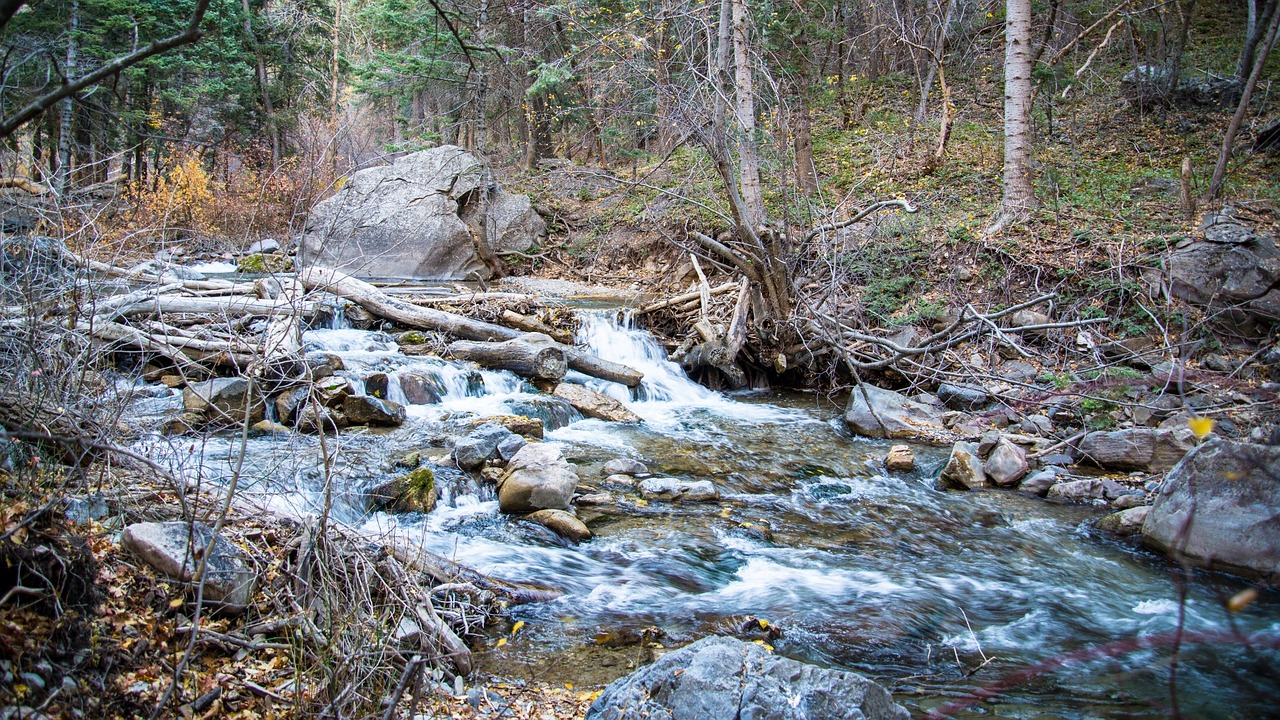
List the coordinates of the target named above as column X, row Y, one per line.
column 876, row 412
column 536, row 478
column 1220, row 508
column 722, row 677
column 415, row 217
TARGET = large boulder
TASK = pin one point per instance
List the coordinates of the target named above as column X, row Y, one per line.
column 416, row 218
column 1220, row 508
column 1137, row 448
column 537, row 478
column 876, row 412
column 722, row 677
column 1235, row 269
column 174, row 548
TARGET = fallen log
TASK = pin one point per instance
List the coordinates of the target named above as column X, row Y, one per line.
column 230, row 305
column 379, row 303
column 542, row 362
column 528, row 323
column 686, row 297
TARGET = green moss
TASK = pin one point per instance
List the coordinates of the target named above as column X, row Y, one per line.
column 412, row 337
column 262, row 263
column 416, row 491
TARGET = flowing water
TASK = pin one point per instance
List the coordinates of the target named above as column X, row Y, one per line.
column 935, row 594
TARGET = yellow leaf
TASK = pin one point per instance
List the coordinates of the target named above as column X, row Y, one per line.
column 175, row 603
column 764, row 624
column 516, row 628
column 501, row 642
column 569, row 685
column 1200, row 426
column 1242, row 599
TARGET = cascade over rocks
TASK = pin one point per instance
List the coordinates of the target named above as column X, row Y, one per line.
column 1220, row 508
column 723, row 677
column 419, row 217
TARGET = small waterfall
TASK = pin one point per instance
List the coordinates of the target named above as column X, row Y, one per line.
column 614, row 336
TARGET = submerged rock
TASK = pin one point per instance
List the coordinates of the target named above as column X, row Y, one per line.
column 672, row 489
column 1125, row 522
column 369, row 410
column 624, row 466
column 722, row 677
column 480, row 445
column 1086, row 490
column 1220, row 508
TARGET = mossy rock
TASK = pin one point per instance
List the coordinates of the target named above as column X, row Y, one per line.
column 411, row 337
column 262, row 263
column 415, row 491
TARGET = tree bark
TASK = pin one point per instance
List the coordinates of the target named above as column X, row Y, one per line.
column 541, row 362
column 745, row 111
column 1229, row 140
column 1019, row 193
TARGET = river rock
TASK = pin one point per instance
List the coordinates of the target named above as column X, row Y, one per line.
column 963, row 470
column 1220, row 508
column 261, row 263
column 289, row 402
column 174, row 548
column 624, row 466
column 900, row 459
column 562, row 523
column 333, row 391
column 664, row 488
column 415, row 491
column 377, row 385
column 720, row 678
column 537, row 478
column 1039, row 482
column 594, row 404
column 1125, row 522
column 225, row 400
column 960, row 396
column 265, row 245
column 876, row 412
column 415, row 219
column 369, row 410
column 1007, row 463
column 530, row 427
column 1235, row 268
column 313, row 417
column 1137, row 448
column 480, row 445
column 420, row 389
column 1088, row 490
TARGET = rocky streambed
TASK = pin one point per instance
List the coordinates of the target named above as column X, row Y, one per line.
column 765, row 517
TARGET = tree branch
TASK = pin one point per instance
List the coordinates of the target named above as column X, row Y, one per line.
column 33, row 110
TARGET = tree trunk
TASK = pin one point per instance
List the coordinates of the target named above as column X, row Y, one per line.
column 1229, row 140
column 66, row 138
column 806, row 170
column 745, row 111
column 264, row 86
column 541, row 362
column 1258, row 16
column 1019, row 193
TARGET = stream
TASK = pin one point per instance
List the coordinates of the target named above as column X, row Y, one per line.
column 934, row 594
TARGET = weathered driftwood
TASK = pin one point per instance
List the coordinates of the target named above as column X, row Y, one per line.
column 379, row 303
column 183, row 351
column 528, row 323
column 225, row 306
column 719, row 347
column 141, row 276
column 686, row 297
column 542, row 362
